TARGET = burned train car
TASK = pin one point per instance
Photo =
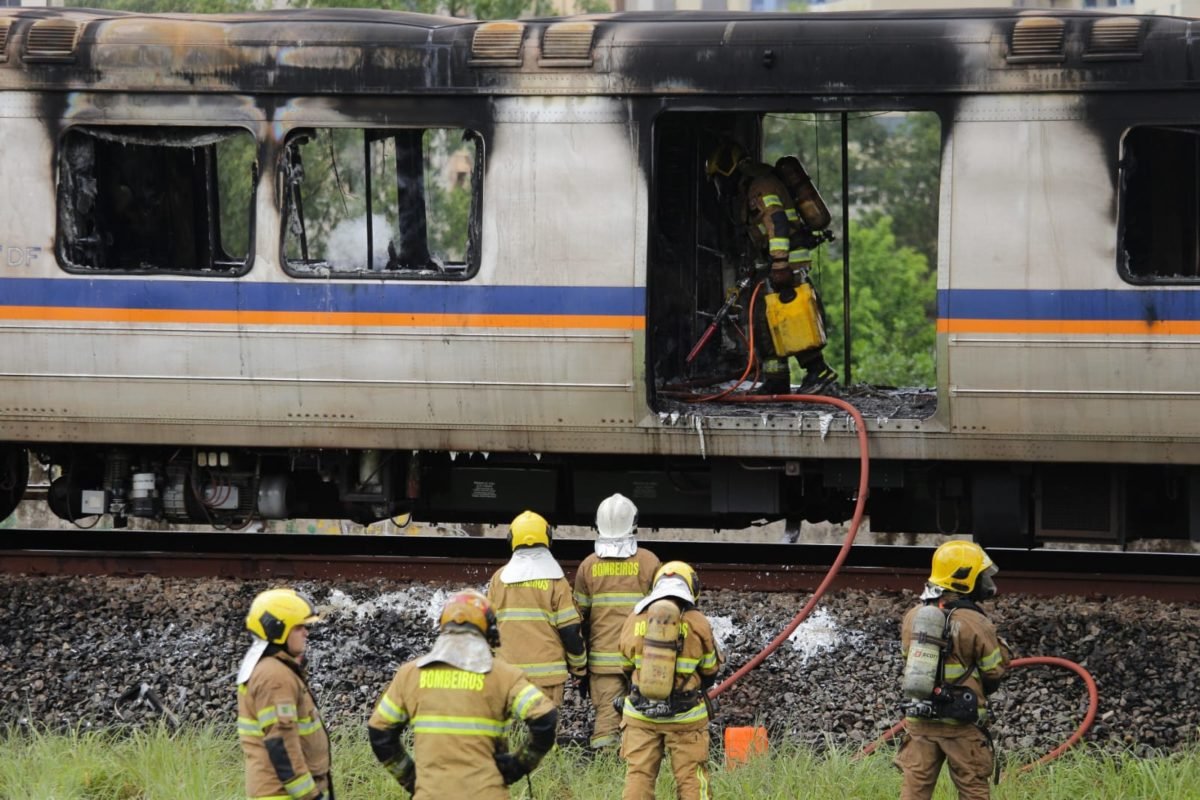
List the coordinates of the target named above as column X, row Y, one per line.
column 350, row 264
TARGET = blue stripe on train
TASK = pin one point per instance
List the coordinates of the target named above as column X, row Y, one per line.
column 389, row 297
column 1148, row 305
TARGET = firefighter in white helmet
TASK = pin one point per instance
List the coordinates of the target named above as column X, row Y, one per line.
column 953, row 661
column 458, row 698
column 285, row 745
column 539, row 624
column 672, row 658
column 608, row 584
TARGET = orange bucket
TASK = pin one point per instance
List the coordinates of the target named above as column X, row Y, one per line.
column 741, row 744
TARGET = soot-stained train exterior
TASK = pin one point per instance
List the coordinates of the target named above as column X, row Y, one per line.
column 195, row 327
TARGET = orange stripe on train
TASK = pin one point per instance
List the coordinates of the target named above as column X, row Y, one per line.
column 323, row 318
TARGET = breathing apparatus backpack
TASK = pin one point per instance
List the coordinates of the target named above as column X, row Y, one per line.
column 927, row 694
column 660, row 646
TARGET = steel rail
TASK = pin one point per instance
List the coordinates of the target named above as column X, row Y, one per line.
column 471, row 560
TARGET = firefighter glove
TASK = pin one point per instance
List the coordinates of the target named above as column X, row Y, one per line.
column 583, row 687
column 405, row 773
column 514, row 766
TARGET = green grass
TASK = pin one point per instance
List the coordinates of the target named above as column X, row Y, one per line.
column 205, row 764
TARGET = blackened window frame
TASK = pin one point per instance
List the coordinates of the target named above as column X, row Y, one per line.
column 67, row 192
column 374, row 133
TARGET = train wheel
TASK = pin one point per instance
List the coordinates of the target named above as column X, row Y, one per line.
column 14, row 478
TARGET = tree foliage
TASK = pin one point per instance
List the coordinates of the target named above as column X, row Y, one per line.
column 892, row 294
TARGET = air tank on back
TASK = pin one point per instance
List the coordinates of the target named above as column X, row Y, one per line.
column 924, row 652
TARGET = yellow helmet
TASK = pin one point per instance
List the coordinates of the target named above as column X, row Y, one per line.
column 275, row 612
column 529, row 530
column 957, row 565
column 682, row 570
column 725, row 159
column 470, row 607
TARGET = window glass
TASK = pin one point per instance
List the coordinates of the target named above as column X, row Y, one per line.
column 169, row 200
column 409, row 198
column 1160, row 199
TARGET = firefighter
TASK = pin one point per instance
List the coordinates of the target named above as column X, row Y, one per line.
column 669, row 652
column 539, row 624
column 764, row 206
column 457, row 698
column 608, row 584
column 286, row 747
column 950, row 724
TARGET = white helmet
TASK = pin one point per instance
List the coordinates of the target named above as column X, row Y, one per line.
column 616, row 521
column 616, row 517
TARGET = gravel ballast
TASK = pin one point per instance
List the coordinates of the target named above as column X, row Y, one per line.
column 112, row 651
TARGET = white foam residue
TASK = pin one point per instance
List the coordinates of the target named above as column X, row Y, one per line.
column 722, row 628
column 820, row 633
column 341, row 604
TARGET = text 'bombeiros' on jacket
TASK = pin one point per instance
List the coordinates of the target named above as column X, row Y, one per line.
column 606, row 590
column 458, row 720
column 539, row 628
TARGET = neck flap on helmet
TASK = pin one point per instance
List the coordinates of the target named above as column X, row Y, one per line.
column 667, row 586
column 460, row 647
column 616, row 547
column 531, row 564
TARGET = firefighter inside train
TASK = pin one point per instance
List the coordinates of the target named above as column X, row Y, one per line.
column 784, row 217
column 953, row 660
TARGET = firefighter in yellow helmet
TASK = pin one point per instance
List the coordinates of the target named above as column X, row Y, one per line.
column 784, row 220
column 953, row 661
column 285, row 745
column 608, row 584
column 539, row 623
column 669, row 652
column 457, row 699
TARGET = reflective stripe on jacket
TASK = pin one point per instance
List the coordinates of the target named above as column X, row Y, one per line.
column 606, row 590
column 698, row 656
column 458, row 721
column 284, row 743
column 976, row 653
column 530, row 616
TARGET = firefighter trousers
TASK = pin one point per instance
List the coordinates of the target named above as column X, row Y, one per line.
column 968, row 755
column 642, row 749
column 604, row 689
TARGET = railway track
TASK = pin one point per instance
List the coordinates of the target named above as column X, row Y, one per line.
column 741, row 566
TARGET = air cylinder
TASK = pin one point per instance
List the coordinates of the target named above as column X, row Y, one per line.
column 660, row 645
column 924, row 652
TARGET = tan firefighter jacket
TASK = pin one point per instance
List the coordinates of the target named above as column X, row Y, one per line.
column 977, row 657
column 539, row 628
column 606, row 590
column 698, row 657
column 286, row 747
column 771, row 215
column 458, row 720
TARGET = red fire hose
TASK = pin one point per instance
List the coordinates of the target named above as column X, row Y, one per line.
column 859, row 507
column 1034, row 661
column 860, row 429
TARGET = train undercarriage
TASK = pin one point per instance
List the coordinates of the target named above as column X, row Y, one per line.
column 1001, row 504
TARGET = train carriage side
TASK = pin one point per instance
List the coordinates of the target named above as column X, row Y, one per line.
column 470, row 251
